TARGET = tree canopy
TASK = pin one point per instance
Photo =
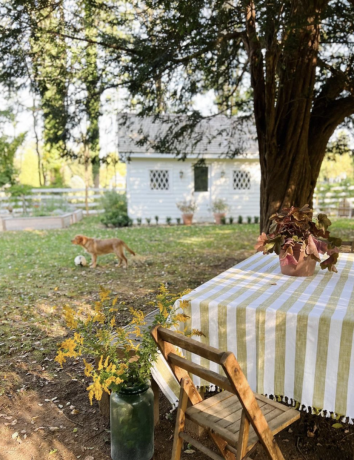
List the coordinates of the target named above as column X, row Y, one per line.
column 288, row 65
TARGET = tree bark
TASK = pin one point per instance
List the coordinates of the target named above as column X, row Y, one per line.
column 283, row 102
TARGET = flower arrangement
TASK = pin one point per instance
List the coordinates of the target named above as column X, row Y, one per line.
column 219, row 206
column 293, row 226
column 121, row 361
column 187, row 207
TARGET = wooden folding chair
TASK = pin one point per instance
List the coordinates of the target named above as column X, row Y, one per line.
column 236, row 419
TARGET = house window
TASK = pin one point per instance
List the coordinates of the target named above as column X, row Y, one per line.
column 241, row 180
column 159, row 179
column 201, row 174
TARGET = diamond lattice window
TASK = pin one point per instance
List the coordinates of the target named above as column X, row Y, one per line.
column 159, row 180
column 241, row 180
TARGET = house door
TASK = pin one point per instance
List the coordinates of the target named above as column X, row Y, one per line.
column 202, row 193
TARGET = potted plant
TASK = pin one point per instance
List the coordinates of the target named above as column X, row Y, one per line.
column 120, row 366
column 187, row 209
column 299, row 241
column 219, row 207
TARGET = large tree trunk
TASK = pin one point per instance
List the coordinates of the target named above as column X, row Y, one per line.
column 282, row 104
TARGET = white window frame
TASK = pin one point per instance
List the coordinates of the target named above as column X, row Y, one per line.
column 160, row 190
column 241, row 190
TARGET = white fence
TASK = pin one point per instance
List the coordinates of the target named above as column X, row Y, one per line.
column 52, row 200
column 336, row 200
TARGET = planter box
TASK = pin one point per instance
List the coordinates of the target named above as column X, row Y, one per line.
column 40, row 223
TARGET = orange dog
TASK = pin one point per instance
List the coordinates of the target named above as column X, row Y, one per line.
column 96, row 247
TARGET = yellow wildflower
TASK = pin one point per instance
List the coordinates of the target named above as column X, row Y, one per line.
column 69, row 345
column 69, row 313
column 106, row 362
column 88, row 368
column 114, row 301
column 95, row 389
column 113, row 322
column 60, row 358
column 78, row 338
column 182, row 318
column 138, row 316
column 100, row 367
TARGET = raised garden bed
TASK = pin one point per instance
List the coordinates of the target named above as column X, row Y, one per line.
column 40, row 223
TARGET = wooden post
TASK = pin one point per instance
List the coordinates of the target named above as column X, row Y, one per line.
column 155, row 389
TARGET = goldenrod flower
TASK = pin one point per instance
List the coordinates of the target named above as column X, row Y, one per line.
column 88, row 368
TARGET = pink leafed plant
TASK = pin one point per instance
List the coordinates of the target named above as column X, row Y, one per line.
column 293, row 226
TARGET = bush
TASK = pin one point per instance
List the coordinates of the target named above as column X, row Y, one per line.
column 240, row 220
column 115, row 210
column 178, row 220
column 256, row 220
column 148, row 220
column 223, row 220
column 157, row 219
column 249, row 220
column 168, row 220
column 231, row 220
column 139, row 220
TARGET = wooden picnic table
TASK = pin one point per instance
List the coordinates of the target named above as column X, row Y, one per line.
column 292, row 336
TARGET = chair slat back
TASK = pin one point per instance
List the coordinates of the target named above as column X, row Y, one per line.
column 235, row 381
column 205, row 351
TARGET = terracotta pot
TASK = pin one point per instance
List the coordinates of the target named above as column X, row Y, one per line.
column 187, row 219
column 218, row 216
column 305, row 267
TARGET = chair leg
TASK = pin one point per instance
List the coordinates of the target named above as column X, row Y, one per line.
column 243, row 437
column 180, row 420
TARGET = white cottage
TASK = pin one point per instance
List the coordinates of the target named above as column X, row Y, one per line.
column 155, row 181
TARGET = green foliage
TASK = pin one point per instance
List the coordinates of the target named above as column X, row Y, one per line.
column 96, row 335
column 148, row 220
column 115, row 210
column 256, row 220
column 219, row 205
column 139, row 220
column 240, row 220
column 294, row 226
column 231, row 220
column 178, row 220
column 48, row 207
column 168, row 220
column 157, row 219
column 223, row 220
column 249, row 220
column 8, row 148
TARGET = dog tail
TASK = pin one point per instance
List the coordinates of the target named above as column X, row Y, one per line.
column 128, row 249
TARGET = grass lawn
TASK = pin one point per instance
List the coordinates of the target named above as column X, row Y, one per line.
column 38, row 277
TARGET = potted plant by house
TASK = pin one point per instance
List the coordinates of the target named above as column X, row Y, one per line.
column 299, row 241
column 120, row 367
column 187, row 208
column 219, row 207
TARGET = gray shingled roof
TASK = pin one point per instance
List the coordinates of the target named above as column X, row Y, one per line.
column 236, row 135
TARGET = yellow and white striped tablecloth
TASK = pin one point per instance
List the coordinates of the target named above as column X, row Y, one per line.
column 292, row 336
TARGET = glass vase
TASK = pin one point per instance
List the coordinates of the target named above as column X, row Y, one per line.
column 132, row 423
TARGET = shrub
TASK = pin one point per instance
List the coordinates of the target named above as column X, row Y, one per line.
column 219, row 206
column 139, row 220
column 256, row 220
column 148, row 220
column 223, row 220
column 168, row 220
column 249, row 220
column 92, row 336
column 187, row 207
column 231, row 220
column 115, row 210
column 240, row 220
column 178, row 220
column 157, row 219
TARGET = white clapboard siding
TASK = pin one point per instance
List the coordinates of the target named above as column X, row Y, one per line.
column 146, row 203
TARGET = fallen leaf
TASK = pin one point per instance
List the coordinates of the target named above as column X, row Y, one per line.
column 15, row 435
column 75, row 430
column 189, row 451
column 54, row 428
column 337, row 425
column 74, row 412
